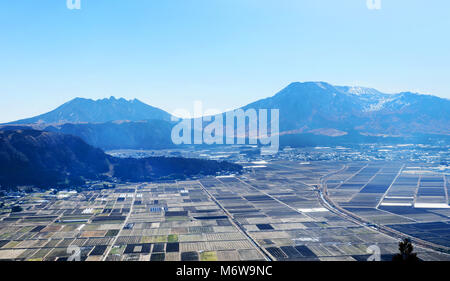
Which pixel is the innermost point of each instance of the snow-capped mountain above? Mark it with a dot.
(309, 106)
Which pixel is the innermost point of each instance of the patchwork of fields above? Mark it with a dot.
(408, 198)
(272, 212)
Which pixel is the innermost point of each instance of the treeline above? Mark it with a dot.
(169, 168)
(52, 160)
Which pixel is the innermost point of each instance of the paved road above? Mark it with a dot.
(106, 254)
(266, 255)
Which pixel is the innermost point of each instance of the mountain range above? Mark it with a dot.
(47, 159)
(80, 110)
(324, 109)
(311, 113)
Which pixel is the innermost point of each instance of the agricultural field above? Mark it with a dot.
(409, 198)
(271, 212)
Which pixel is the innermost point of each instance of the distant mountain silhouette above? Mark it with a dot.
(46, 159)
(322, 109)
(311, 113)
(81, 110)
(151, 134)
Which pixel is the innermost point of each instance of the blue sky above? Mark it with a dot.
(225, 53)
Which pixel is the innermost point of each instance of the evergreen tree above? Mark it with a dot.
(406, 252)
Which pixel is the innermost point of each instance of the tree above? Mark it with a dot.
(406, 252)
(16, 209)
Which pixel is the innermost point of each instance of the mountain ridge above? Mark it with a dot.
(48, 159)
(307, 109)
(82, 110)
(319, 105)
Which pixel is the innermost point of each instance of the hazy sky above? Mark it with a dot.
(225, 53)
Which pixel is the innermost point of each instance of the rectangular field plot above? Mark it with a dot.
(364, 200)
(435, 232)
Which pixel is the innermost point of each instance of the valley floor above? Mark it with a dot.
(272, 212)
